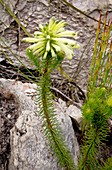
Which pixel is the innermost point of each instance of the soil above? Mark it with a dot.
(8, 117)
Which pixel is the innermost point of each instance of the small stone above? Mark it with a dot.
(8, 116)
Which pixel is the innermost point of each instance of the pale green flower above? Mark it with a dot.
(53, 38)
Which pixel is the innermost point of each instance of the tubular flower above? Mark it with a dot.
(53, 38)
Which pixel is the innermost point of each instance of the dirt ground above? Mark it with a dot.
(8, 117)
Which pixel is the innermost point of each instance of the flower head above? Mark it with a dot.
(53, 38)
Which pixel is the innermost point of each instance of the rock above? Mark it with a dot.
(75, 113)
(30, 149)
(72, 111)
(5, 18)
(90, 5)
(31, 13)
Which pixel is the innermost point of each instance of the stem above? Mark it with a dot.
(89, 149)
(55, 135)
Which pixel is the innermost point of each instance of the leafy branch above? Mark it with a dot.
(98, 107)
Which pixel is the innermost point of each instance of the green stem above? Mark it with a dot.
(89, 149)
(54, 134)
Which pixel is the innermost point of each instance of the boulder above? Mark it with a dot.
(30, 150)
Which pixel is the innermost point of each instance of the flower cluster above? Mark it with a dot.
(53, 38)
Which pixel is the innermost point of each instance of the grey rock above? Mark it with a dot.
(75, 113)
(31, 13)
(90, 5)
(5, 18)
(30, 149)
